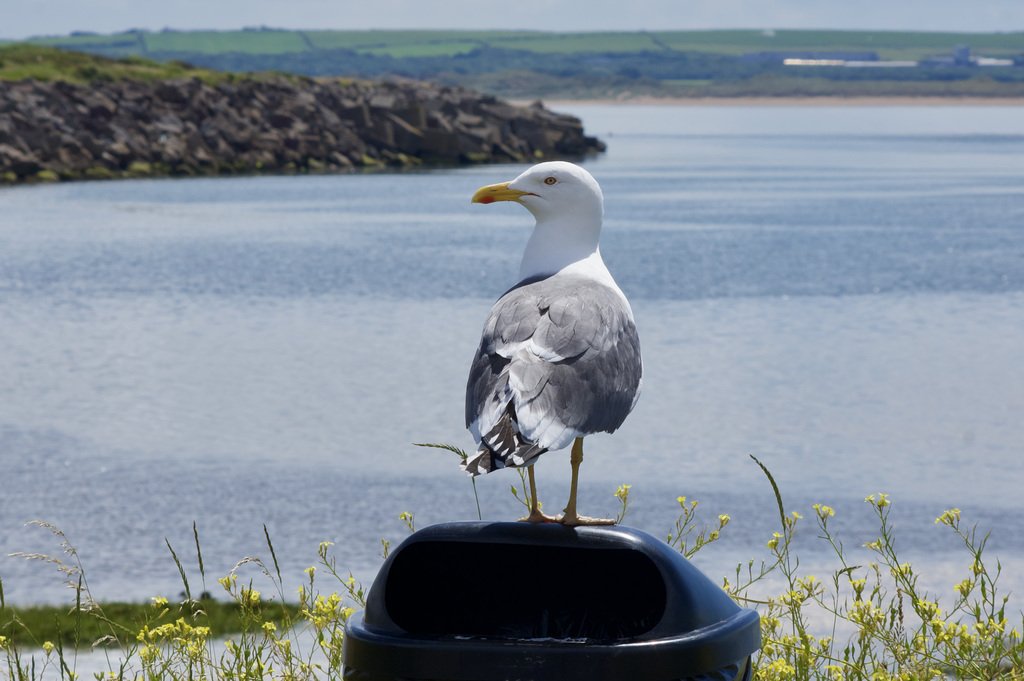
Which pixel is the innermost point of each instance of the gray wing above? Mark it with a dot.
(559, 358)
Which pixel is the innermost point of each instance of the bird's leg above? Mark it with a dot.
(569, 516)
(535, 515)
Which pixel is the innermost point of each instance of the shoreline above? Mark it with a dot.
(823, 101)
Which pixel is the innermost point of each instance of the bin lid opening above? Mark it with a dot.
(517, 591)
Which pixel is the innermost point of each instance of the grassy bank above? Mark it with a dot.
(20, 61)
(76, 626)
(863, 621)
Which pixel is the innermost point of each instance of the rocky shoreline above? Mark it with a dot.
(61, 131)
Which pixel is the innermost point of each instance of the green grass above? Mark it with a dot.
(213, 42)
(33, 626)
(19, 61)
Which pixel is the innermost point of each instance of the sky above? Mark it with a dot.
(27, 18)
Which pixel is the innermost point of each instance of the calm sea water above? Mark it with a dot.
(836, 291)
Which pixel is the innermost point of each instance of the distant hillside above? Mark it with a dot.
(534, 63)
(890, 45)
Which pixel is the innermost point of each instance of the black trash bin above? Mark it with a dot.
(479, 601)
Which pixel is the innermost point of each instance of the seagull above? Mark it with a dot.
(559, 356)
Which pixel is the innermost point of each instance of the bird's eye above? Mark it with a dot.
(550, 180)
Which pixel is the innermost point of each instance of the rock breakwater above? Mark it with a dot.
(61, 131)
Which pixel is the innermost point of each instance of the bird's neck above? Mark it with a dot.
(552, 248)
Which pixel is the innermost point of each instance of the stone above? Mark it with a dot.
(18, 162)
(183, 126)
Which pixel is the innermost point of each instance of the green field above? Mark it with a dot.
(396, 43)
(531, 64)
(213, 42)
(888, 44)
(570, 43)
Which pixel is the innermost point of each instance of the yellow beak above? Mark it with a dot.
(497, 192)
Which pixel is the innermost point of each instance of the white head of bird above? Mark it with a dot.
(569, 207)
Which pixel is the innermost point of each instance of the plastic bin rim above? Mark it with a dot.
(689, 654)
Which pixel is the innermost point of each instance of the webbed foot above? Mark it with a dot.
(538, 517)
(575, 520)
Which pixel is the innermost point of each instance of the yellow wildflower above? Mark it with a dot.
(824, 511)
(881, 502)
(965, 587)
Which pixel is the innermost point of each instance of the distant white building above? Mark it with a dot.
(962, 57)
(991, 61)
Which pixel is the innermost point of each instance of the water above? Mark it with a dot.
(836, 291)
